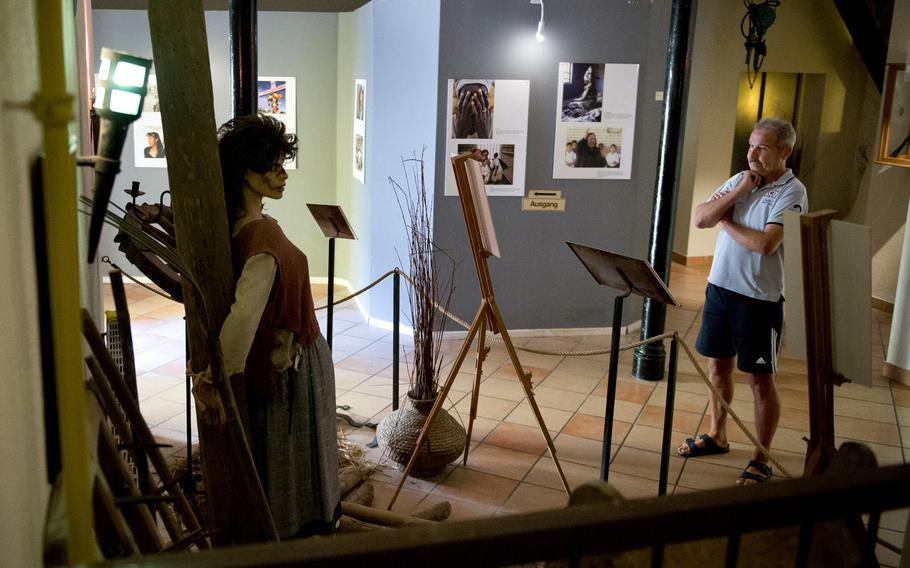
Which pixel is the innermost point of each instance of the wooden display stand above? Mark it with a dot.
(479, 223)
(629, 275)
(334, 225)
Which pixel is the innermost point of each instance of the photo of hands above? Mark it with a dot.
(472, 108)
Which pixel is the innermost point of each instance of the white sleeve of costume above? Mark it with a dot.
(250, 298)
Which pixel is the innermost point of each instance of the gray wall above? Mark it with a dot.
(539, 282)
(301, 45)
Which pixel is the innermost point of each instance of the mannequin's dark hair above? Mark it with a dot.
(254, 142)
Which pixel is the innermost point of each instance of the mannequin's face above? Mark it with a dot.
(269, 184)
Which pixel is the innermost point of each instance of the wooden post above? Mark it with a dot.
(817, 295)
(194, 173)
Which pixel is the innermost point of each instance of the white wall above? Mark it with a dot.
(23, 491)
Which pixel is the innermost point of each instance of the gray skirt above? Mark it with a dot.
(295, 443)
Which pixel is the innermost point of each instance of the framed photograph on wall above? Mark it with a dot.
(148, 134)
(360, 129)
(277, 97)
(489, 117)
(894, 144)
(595, 121)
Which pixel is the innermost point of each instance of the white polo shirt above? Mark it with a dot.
(736, 268)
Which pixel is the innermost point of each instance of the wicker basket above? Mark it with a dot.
(443, 443)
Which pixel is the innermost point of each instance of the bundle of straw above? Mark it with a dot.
(426, 291)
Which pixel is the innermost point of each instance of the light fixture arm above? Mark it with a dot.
(540, 24)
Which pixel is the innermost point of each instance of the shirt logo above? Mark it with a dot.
(797, 207)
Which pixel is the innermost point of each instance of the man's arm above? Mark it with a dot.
(762, 242)
(709, 213)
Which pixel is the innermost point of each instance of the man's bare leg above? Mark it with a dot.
(767, 414)
(720, 373)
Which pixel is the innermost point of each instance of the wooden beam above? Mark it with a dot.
(238, 511)
(817, 297)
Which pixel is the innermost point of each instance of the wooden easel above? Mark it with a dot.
(822, 377)
(483, 245)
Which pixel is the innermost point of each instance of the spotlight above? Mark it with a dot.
(119, 94)
(540, 24)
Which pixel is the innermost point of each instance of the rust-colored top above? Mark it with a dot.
(290, 306)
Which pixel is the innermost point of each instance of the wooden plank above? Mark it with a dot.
(817, 295)
(238, 511)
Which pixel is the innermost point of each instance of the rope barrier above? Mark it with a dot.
(761, 448)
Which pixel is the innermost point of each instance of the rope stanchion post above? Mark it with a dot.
(668, 416)
(396, 335)
(611, 387)
(330, 304)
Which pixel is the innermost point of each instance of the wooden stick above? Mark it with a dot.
(380, 516)
(437, 512)
(134, 415)
(348, 478)
(105, 396)
(104, 499)
(363, 495)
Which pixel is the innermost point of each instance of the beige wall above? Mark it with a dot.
(808, 37)
(23, 492)
(885, 190)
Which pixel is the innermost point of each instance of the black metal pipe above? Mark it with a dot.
(668, 418)
(396, 335)
(243, 56)
(648, 361)
(330, 300)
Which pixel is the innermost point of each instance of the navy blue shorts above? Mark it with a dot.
(738, 326)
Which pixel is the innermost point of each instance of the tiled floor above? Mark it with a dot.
(509, 469)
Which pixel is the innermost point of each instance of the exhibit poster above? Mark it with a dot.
(277, 97)
(489, 117)
(360, 126)
(148, 134)
(595, 121)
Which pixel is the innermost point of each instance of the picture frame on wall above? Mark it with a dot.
(894, 138)
(277, 97)
(149, 145)
(360, 129)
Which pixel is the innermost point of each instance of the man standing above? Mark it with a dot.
(744, 298)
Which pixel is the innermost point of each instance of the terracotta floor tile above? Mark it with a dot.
(508, 389)
(517, 437)
(487, 407)
(866, 410)
(682, 421)
(408, 500)
(567, 381)
(363, 363)
(651, 438)
(578, 450)
(622, 410)
(544, 473)
(634, 487)
(501, 461)
(901, 395)
(591, 427)
(866, 430)
(478, 487)
(702, 475)
(558, 398)
(554, 418)
(530, 498)
(641, 463)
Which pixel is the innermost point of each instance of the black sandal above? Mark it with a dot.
(764, 473)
